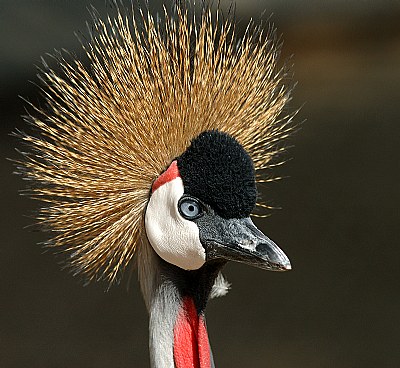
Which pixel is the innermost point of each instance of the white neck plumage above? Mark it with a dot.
(176, 300)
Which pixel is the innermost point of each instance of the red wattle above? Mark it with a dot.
(191, 345)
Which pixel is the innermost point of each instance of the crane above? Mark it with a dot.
(153, 153)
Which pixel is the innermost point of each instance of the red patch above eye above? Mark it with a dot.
(170, 174)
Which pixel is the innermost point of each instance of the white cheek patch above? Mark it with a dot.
(175, 239)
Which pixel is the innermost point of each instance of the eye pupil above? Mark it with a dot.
(191, 208)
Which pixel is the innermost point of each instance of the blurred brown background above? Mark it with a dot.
(340, 305)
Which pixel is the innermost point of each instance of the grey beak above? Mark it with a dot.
(240, 240)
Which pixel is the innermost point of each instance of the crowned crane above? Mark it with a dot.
(155, 151)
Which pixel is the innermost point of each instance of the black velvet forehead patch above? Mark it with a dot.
(217, 170)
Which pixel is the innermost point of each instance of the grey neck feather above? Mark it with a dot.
(163, 286)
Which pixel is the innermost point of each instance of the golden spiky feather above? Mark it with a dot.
(108, 131)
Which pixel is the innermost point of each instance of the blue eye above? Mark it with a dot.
(189, 208)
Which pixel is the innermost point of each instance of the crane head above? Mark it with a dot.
(199, 209)
(154, 103)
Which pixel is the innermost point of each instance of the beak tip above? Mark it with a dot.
(287, 267)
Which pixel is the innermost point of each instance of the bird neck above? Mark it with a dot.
(176, 300)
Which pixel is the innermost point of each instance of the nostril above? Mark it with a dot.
(268, 250)
(263, 248)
